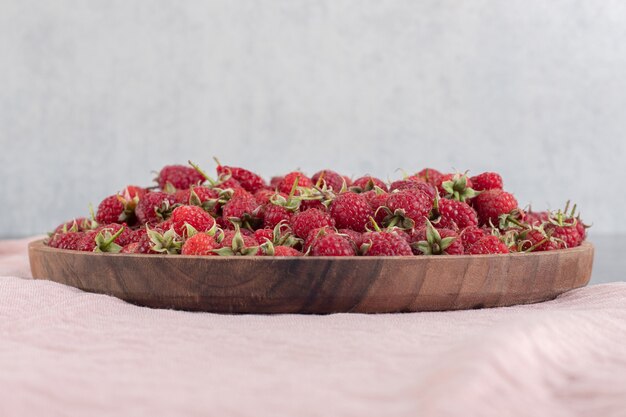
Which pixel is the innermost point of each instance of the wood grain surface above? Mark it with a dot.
(318, 284)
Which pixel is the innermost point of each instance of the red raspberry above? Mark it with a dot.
(200, 244)
(154, 207)
(67, 240)
(404, 184)
(264, 196)
(491, 204)
(377, 201)
(79, 224)
(110, 210)
(460, 187)
(244, 208)
(535, 218)
(304, 222)
(262, 235)
(204, 194)
(354, 237)
(430, 175)
(133, 191)
(421, 245)
(332, 244)
(247, 179)
(407, 208)
(317, 233)
(286, 184)
(274, 214)
(332, 179)
(538, 241)
(192, 215)
(275, 182)
(144, 245)
(132, 247)
(227, 240)
(487, 181)
(471, 235)
(385, 244)
(367, 183)
(350, 211)
(456, 214)
(286, 251)
(88, 242)
(312, 204)
(179, 176)
(488, 245)
(568, 234)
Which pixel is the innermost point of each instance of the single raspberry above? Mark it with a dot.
(67, 240)
(455, 214)
(198, 196)
(275, 182)
(431, 241)
(312, 204)
(248, 179)
(234, 243)
(286, 251)
(280, 209)
(193, 216)
(132, 247)
(568, 234)
(178, 176)
(368, 183)
(350, 211)
(269, 249)
(133, 191)
(154, 207)
(487, 181)
(356, 238)
(376, 200)
(332, 244)
(430, 175)
(274, 214)
(115, 209)
(264, 196)
(332, 179)
(144, 245)
(536, 240)
(288, 181)
(200, 244)
(491, 204)
(488, 245)
(403, 184)
(262, 235)
(243, 210)
(384, 243)
(456, 187)
(471, 235)
(229, 234)
(303, 222)
(407, 209)
(316, 234)
(536, 218)
(156, 241)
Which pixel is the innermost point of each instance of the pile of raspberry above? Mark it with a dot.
(328, 214)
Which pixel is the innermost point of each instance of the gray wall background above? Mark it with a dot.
(95, 95)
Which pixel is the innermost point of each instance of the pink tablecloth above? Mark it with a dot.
(66, 352)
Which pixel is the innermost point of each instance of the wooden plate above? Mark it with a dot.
(318, 285)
